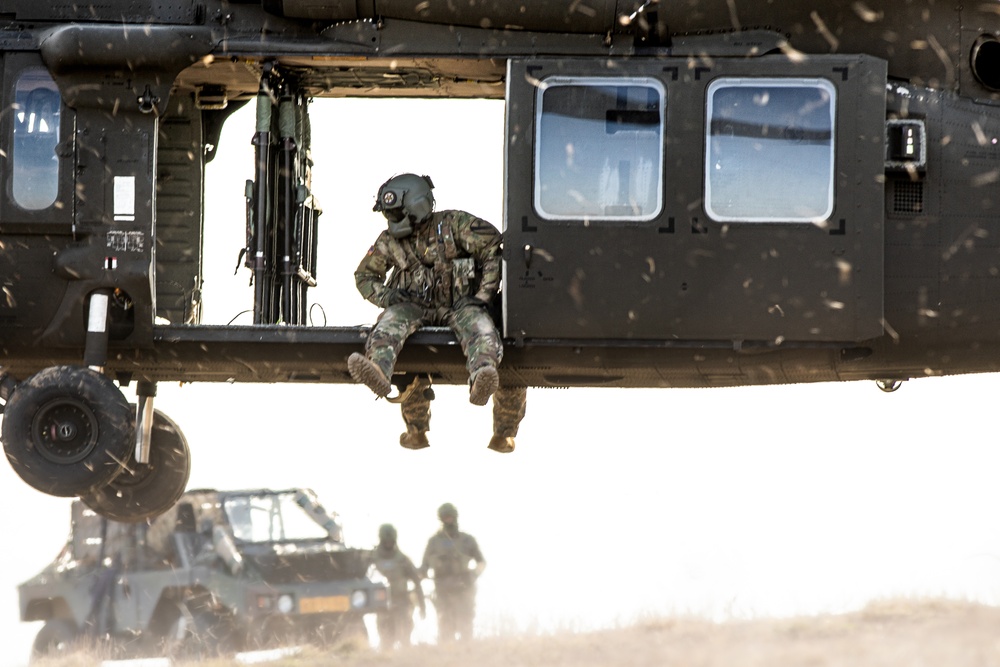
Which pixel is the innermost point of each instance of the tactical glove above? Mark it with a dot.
(394, 296)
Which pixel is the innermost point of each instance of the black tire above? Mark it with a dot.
(355, 631)
(200, 632)
(56, 637)
(346, 629)
(66, 430)
(146, 490)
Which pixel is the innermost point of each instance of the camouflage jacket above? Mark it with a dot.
(452, 255)
(449, 558)
(399, 571)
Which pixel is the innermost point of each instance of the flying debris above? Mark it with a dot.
(715, 194)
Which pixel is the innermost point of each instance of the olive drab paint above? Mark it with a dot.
(720, 197)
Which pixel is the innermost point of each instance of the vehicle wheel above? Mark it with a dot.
(347, 629)
(355, 631)
(201, 632)
(56, 636)
(66, 430)
(145, 490)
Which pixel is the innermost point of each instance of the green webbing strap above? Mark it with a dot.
(263, 110)
(286, 118)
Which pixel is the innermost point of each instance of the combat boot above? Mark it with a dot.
(413, 439)
(499, 443)
(483, 384)
(368, 373)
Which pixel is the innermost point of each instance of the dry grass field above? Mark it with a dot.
(925, 633)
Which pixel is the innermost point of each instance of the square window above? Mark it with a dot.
(770, 150)
(599, 148)
(35, 173)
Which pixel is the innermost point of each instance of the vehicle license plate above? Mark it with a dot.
(320, 605)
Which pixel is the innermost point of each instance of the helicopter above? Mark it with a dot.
(697, 193)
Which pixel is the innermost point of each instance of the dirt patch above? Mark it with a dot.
(886, 634)
(883, 635)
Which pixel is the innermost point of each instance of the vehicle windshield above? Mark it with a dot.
(272, 518)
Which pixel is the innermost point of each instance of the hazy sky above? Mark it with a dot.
(617, 504)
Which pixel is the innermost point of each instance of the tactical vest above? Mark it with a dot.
(450, 559)
(449, 279)
(393, 568)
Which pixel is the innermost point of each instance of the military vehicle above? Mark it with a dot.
(220, 571)
(696, 193)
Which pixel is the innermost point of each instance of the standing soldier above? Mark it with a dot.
(395, 623)
(434, 268)
(453, 560)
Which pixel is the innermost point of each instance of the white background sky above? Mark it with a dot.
(618, 504)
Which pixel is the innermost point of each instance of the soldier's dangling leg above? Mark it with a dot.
(509, 404)
(483, 350)
(415, 407)
(393, 327)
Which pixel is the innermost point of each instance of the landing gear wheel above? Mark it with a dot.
(67, 430)
(145, 490)
(55, 637)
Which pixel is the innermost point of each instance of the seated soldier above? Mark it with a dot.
(432, 268)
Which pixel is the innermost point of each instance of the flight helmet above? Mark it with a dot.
(405, 200)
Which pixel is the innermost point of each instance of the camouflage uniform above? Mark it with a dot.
(508, 408)
(448, 555)
(445, 273)
(433, 275)
(395, 624)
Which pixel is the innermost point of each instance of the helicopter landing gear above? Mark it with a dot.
(67, 430)
(145, 490)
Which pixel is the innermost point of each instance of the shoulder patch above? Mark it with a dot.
(371, 250)
(480, 226)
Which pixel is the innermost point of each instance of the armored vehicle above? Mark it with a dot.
(220, 571)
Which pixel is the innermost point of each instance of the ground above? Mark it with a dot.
(884, 634)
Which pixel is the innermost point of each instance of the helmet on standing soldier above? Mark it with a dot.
(387, 534)
(447, 510)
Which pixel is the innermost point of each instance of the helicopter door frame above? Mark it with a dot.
(609, 232)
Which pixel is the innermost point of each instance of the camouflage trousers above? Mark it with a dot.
(508, 407)
(395, 626)
(456, 612)
(472, 325)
